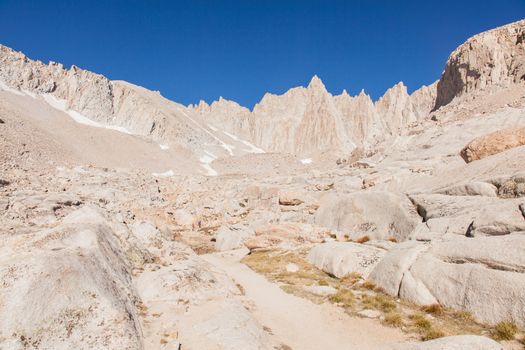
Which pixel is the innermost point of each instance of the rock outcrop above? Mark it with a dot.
(465, 274)
(486, 62)
(493, 143)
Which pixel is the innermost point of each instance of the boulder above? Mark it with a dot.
(146, 233)
(285, 235)
(342, 258)
(493, 143)
(64, 284)
(460, 273)
(390, 271)
(290, 198)
(231, 237)
(377, 214)
(476, 188)
(453, 214)
(512, 188)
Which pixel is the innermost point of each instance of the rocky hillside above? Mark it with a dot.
(128, 221)
(307, 121)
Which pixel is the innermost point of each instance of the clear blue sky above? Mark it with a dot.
(192, 50)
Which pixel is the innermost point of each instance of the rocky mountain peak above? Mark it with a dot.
(316, 85)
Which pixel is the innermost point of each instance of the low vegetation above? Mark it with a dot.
(355, 294)
(344, 297)
(505, 331)
(393, 319)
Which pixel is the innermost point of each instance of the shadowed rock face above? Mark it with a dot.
(490, 60)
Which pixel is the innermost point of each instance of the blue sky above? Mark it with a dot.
(192, 50)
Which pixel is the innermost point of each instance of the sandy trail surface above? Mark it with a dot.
(297, 322)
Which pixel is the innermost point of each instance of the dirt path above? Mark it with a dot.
(297, 322)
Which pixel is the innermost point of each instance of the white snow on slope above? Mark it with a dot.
(224, 145)
(79, 118)
(205, 163)
(251, 148)
(55, 102)
(230, 135)
(60, 105)
(164, 147)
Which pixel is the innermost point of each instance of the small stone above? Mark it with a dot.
(291, 267)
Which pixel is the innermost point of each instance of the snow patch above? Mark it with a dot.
(231, 135)
(306, 161)
(164, 174)
(224, 145)
(205, 160)
(164, 147)
(251, 148)
(79, 118)
(54, 102)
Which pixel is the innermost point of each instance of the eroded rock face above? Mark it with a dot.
(487, 61)
(493, 143)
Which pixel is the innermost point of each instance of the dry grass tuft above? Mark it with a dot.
(420, 322)
(351, 279)
(425, 328)
(368, 285)
(434, 309)
(379, 302)
(432, 333)
(464, 316)
(393, 319)
(505, 331)
(343, 296)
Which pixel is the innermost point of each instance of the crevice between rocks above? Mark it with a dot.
(487, 264)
